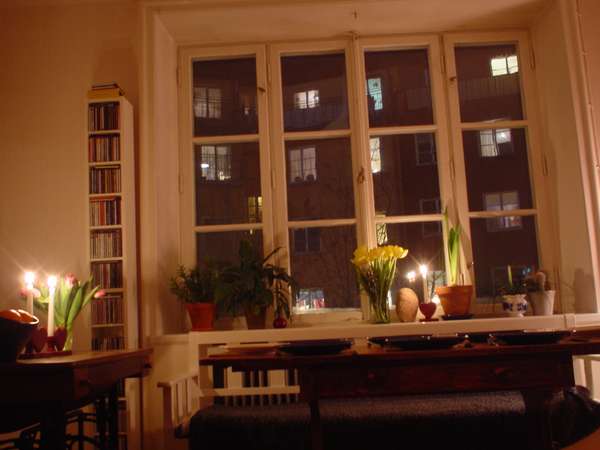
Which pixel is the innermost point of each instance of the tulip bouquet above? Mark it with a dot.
(375, 272)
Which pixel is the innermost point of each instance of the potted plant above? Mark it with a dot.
(253, 285)
(196, 288)
(455, 298)
(540, 294)
(514, 301)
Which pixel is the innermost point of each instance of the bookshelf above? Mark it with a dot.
(112, 238)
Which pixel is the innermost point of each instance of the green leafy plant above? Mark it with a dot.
(70, 297)
(514, 287)
(197, 285)
(453, 249)
(254, 284)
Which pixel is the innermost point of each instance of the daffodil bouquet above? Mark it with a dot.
(375, 272)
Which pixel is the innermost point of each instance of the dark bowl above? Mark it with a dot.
(14, 337)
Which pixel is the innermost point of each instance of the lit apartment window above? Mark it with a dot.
(312, 298)
(306, 99)
(307, 240)
(375, 144)
(303, 164)
(382, 234)
(375, 92)
(207, 102)
(502, 201)
(430, 206)
(504, 65)
(494, 143)
(255, 209)
(215, 163)
(425, 148)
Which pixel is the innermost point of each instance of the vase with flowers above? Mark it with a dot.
(375, 271)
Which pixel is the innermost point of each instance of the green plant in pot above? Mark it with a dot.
(455, 297)
(253, 284)
(196, 288)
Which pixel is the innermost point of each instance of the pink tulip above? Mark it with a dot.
(36, 293)
(23, 292)
(70, 279)
(99, 294)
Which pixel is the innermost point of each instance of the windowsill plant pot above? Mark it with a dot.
(456, 300)
(515, 305)
(202, 315)
(542, 302)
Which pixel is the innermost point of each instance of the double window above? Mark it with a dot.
(307, 154)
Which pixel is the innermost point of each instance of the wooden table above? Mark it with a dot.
(46, 389)
(538, 371)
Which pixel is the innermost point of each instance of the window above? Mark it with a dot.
(375, 144)
(207, 102)
(425, 148)
(303, 164)
(375, 93)
(504, 65)
(430, 206)
(215, 162)
(307, 240)
(255, 209)
(309, 299)
(502, 201)
(306, 99)
(493, 143)
(382, 234)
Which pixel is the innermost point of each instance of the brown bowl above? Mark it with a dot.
(14, 337)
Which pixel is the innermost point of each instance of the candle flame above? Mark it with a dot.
(29, 279)
(423, 269)
(411, 276)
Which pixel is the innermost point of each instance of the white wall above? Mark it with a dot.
(51, 55)
(560, 144)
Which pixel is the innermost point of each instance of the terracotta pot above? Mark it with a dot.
(202, 315)
(455, 299)
(256, 321)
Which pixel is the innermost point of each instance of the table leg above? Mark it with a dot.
(316, 427)
(113, 418)
(539, 425)
(52, 432)
(101, 422)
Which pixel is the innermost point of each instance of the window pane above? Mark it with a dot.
(224, 246)
(502, 171)
(314, 92)
(425, 243)
(225, 97)
(489, 85)
(319, 179)
(227, 183)
(320, 262)
(398, 88)
(407, 179)
(494, 251)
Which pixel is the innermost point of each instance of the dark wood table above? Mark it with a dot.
(43, 390)
(537, 371)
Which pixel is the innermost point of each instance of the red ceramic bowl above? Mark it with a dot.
(14, 337)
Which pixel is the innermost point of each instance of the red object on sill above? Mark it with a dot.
(280, 322)
(202, 315)
(427, 309)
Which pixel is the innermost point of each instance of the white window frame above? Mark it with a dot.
(540, 191)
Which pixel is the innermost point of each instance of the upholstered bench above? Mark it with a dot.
(465, 421)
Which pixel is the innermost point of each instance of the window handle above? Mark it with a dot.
(262, 89)
(360, 179)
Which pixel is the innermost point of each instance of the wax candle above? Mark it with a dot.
(424, 270)
(29, 279)
(51, 291)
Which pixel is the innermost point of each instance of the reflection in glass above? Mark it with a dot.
(398, 88)
(227, 183)
(314, 92)
(498, 176)
(489, 85)
(494, 251)
(224, 246)
(424, 248)
(319, 179)
(224, 97)
(405, 174)
(320, 262)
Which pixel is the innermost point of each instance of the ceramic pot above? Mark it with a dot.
(542, 302)
(202, 315)
(407, 305)
(514, 305)
(456, 300)
(256, 321)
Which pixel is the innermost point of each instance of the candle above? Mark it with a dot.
(51, 290)
(510, 281)
(411, 276)
(424, 270)
(29, 279)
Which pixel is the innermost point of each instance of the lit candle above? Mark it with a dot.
(411, 276)
(423, 271)
(51, 291)
(29, 279)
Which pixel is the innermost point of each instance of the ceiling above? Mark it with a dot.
(199, 21)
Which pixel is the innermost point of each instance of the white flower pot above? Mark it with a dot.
(542, 302)
(514, 305)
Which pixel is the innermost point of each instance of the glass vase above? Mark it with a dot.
(380, 310)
